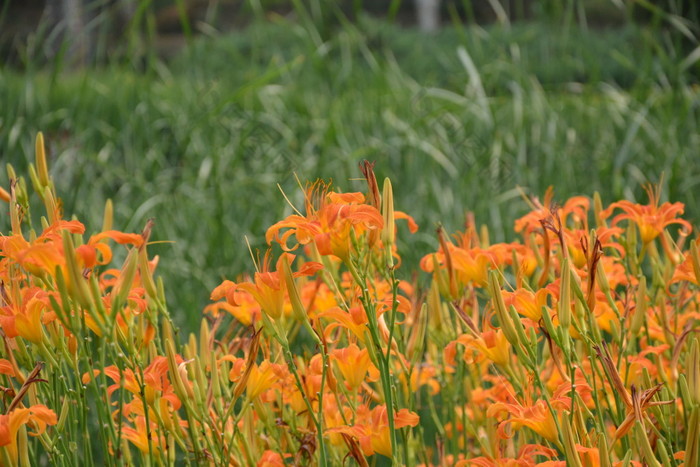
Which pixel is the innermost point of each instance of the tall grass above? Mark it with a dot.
(460, 120)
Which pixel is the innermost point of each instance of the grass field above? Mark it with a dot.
(572, 341)
(464, 120)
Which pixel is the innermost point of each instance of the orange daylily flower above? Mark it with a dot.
(139, 436)
(268, 289)
(372, 428)
(6, 367)
(155, 381)
(353, 364)
(239, 303)
(528, 303)
(330, 219)
(575, 208)
(271, 459)
(491, 344)
(354, 320)
(651, 219)
(261, 379)
(536, 415)
(527, 456)
(39, 415)
(26, 312)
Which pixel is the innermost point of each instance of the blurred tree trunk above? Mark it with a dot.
(72, 21)
(428, 13)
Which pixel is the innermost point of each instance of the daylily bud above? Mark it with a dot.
(204, 338)
(695, 260)
(175, 375)
(484, 236)
(499, 305)
(569, 444)
(548, 325)
(416, 339)
(108, 216)
(42, 169)
(65, 411)
(15, 217)
(602, 279)
(597, 210)
(126, 278)
(52, 210)
(693, 371)
(692, 442)
(631, 237)
(435, 306)
(23, 446)
(215, 378)
(444, 245)
(298, 307)
(663, 454)
(603, 450)
(388, 232)
(684, 392)
(77, 284)
(146, 276)
(640, 311)
(564, 308)
(645, 446)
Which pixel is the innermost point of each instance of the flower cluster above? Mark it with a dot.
(576, 345)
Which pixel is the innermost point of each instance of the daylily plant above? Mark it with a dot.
(576, 344)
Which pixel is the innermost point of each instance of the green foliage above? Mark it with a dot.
(459, 121)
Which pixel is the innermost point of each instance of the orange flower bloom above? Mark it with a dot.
(155, 380)
(330, 220)
(267, 289)
(353, 364)
(261, 379)
(526, 302)
(491, 344)
(527, 456)
(139, 436)
(354, 320)
(271, 459)
(651, 219)
(537, 416)
(39, 415)
(372, 428)
(575, 208)
(26, 311)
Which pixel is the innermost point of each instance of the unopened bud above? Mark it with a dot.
(388, 232)
(597, 210)
(126, 279)
(501, 312)
(569, 442)
(692, 441)
(693, 371)
(108, 216)
(640, 311)
(76, 282)
(42, 168)
(695, 260)
(298, 307)
(565, 296)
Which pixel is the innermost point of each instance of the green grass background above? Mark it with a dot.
(458, 120)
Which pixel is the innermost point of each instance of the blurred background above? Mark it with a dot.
(194, 111)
